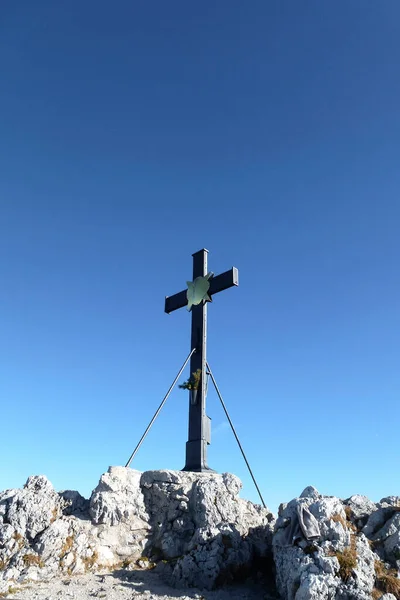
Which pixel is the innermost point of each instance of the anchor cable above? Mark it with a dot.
(235, 434)
(159, 408)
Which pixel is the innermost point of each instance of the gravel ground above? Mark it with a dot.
(124, 585)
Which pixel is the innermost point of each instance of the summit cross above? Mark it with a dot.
(200, 291)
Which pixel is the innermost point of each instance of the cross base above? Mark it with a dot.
(199, 470)
(196, 457)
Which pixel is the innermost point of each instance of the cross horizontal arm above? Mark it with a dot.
(217, 284)
(224, 281)
(174, 302)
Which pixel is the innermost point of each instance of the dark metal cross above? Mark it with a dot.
(199, 423)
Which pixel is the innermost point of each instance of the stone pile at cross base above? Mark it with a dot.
(195, 531)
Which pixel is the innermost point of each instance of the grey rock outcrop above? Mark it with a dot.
(43, 533)
(74, 503)
(360, 508)
(315, 570)
(118, 498)
(383, 529)
(30, 510)
(195, 530)
(201, 528)
(310, 492)
(194, 525)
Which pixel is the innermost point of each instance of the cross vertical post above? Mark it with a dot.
(199, 423)
(199, 427)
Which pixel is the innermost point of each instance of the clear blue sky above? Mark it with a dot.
(132, 135)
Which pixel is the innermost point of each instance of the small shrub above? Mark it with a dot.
(69, 542)
(145, 563)
(11, 590)
(89, 561)
(54, 515)
(339, 519)
(349, 512)
(193, 382)
(32, 560)
(347, 560)
(347, 524)
(19, 539)
(3, 564)
(386, 580)
(126, 563)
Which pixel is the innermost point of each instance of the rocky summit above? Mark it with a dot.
(193, 531)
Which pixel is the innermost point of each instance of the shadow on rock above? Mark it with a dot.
(147, 581)
(202, 534)
(140, 581)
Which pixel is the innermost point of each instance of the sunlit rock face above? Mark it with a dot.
(196, 532)
(192, 526)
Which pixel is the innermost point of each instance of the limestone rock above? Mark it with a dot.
(377, 520)
(199, 524)
(198, 531)
(4, 585)
(361, 508)
(390, 501)
(118, 498)
(30, 510)
(5, 498)
(387, 537)
(312, 570)
(315, 587)
(74, 503)
(55, 541)
(196, 522)
(310, 492)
